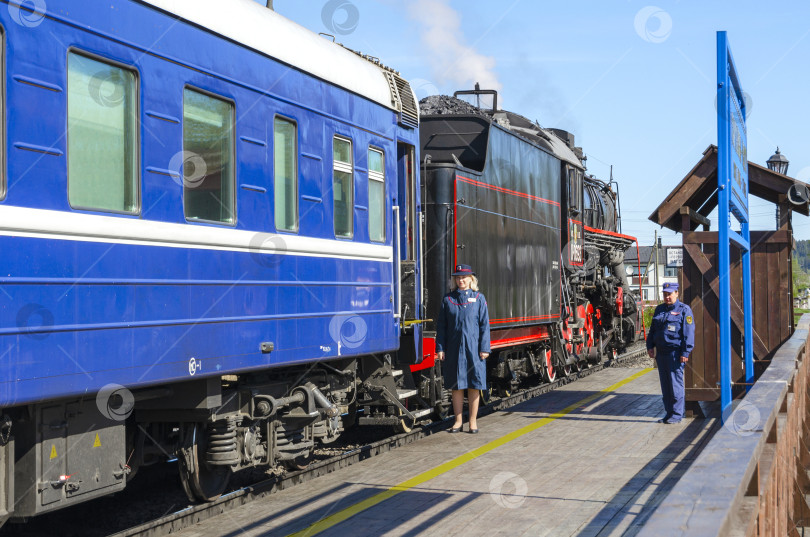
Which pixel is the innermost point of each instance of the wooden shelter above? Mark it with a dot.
(686, 209)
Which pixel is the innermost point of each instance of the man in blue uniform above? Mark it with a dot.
(670, 341)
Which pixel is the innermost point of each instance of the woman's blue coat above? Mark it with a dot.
(461, 333)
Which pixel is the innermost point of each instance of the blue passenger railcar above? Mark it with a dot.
(210, 242)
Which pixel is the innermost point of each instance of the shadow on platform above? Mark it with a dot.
(610, 404)
(624, 504)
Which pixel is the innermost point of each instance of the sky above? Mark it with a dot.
(634, 82)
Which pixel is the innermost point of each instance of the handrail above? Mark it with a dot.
(738, 483)
(397, 266)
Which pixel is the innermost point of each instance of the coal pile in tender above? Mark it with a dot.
(445, 105)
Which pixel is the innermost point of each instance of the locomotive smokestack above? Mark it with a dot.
(270, 5)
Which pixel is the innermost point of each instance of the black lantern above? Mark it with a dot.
(778, 163)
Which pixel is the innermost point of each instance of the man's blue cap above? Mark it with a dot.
(463, 270)
(670, 287)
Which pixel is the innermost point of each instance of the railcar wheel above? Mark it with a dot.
(549, 372)
(201, 481)
(350, 418)
(301, 462)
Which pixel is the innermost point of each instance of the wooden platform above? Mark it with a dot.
(587, 459)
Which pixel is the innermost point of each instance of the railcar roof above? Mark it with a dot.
(264, 30)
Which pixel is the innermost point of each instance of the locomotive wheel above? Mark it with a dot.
(442, 410)
(201, 481)
(565, 370)
(609, 354)
(566, 333)
(590, 340)
(549, 373)
(580, 365)
(499, 389)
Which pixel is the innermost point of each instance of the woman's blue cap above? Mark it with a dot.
(670, 287)
(463, 270)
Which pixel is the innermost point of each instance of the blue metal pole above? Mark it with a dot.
(748, 308)
(723, 186)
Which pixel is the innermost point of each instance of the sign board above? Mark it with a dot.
(732, 198)
(732, 134)
(739, 151)
(674, 257)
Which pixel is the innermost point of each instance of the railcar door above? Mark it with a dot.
(407, 254)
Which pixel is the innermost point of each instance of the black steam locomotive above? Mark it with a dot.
(513, 200)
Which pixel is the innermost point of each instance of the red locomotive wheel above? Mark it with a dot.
(566, 333)
(589, 325)
(566, 370)
(549, 372)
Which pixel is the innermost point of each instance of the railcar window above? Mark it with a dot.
(102, 136)
(208, 161)
(286, 174)
(376, 195)
(343, 187)
(573, 191)
(587, 208)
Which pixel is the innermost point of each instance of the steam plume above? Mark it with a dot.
(453, 62)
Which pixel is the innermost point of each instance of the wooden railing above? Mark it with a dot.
(751, 478)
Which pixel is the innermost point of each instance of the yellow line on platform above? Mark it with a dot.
(359, 507)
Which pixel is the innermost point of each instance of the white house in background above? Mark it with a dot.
(670, 260)
(802, 299)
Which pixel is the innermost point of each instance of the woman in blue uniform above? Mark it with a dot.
(462, 343)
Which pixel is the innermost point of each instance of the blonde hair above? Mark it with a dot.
(473, 284)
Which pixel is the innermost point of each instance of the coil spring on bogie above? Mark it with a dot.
(286, 437)
(292, 443)
(222, 445)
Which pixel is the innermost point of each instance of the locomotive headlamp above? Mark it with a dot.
(778, 163)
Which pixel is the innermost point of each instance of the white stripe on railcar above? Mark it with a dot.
(59, 225)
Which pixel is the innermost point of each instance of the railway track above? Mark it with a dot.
(193, 514)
